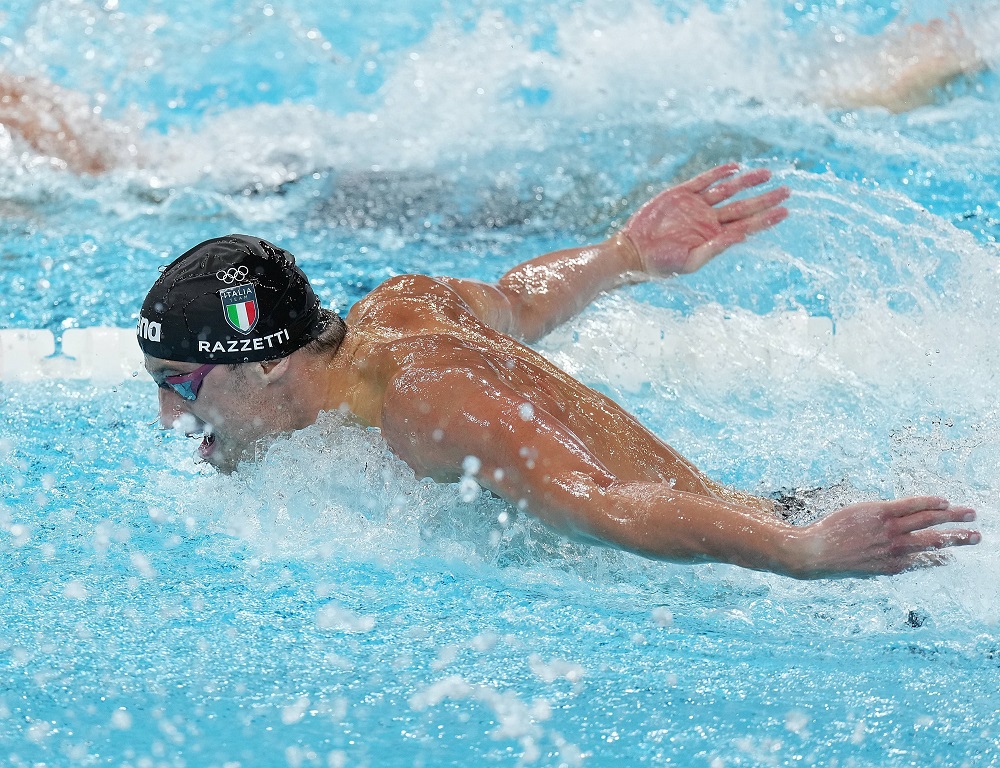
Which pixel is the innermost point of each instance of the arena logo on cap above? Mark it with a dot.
(147, 329)
(239, 304)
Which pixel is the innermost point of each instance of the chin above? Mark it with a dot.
(226, 468)
(228, 463)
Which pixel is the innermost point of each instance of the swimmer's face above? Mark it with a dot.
(234, 411)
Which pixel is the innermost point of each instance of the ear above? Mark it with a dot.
(274, 370)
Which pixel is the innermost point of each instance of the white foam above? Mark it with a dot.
(456, 95)
(771, 379)
(456, 92)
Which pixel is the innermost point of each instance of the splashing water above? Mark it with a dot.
(325, 606)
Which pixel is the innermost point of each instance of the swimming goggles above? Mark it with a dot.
(187, 384)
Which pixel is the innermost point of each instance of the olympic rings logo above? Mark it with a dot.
(232, 274)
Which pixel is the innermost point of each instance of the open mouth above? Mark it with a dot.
(207, 445)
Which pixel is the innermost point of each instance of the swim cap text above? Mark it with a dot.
(245, 345)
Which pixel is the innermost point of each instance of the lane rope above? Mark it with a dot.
(100, 354)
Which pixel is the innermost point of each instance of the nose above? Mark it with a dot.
(172, 406)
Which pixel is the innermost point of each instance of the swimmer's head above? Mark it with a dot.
(234, 299)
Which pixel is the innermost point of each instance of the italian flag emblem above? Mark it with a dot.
(239, 304)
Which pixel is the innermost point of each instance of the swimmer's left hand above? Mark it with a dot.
(881, 537)
(685, 226)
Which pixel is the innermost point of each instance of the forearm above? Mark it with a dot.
(540, 294)
(865, 539)
(676, 232)
(549, 290)
(51, 122)
(908, 64)
(655, 521)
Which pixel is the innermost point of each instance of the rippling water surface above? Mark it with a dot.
(324, 607)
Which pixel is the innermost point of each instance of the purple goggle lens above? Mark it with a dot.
(187, 384)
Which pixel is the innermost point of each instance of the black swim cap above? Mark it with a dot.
(234, 299)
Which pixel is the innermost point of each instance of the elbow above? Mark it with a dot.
(523, 318)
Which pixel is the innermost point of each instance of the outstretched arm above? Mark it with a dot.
(902, 73)
(46, 118)
(532, 459)
(676, 232)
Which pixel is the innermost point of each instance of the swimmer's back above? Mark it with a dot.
(415, 325)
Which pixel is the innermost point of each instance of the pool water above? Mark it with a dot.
(324, 607)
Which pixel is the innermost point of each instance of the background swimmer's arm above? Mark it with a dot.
(42, 115)
(676, 232)
(525, 455)
(907, 66)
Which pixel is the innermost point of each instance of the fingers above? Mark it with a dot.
(735, 232)
(755, 223)
(911, 504)
(925, 550)
(765, 219)
(742, 209)
(930, 517)
(930, 540)
(707, 251)
(733, 186)
(704, 180)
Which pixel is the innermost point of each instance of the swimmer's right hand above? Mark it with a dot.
(882, 537)
(685, 226)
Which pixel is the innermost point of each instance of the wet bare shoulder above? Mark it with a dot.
(411, 304)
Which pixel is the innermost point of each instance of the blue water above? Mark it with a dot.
(324, 607)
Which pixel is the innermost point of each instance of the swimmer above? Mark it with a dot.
(241, 350)
(55, 122)
(900, 72)
(907, 65)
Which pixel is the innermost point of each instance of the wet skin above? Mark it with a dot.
(436, 365)
(230, 433)
(47, 119)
